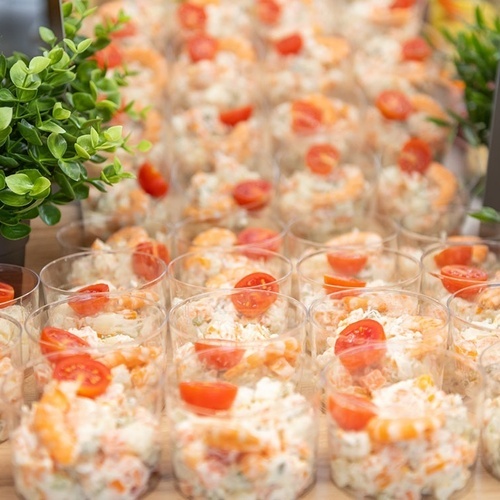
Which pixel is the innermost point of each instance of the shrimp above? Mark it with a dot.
(134, 357)
(331, 111)
(489, 299)
(391, 18)
(479, 252)
(351, 189)
(392, 430)
(214, 237)
(51, 425)
(229, 438)
(128, 237)
(230, 276)
(338, 47)
(356, 238)
(445, 181)
(238, 46)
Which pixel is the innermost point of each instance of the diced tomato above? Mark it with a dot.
(253, 194)
(144, 263)
(402, 4)
(93, 376)
(351, 412)
(340, 283)
(358, 334)
(459, 254)
(234, 116)
(291, 44)
(54, 341)
(415, 49)
(259, 237)
(415, 156)
(268, 12)
(109, 57)
(191, 16)
(306, 117)
(202, 47)
(257, 299)
(218, 357)
(88, 306)
(458, 277)
(152, 181)
(322, 159)
(394, 105)
(347, 262)
(6, 293)
(208, 395)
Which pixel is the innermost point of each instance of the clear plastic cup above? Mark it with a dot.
(402, 420)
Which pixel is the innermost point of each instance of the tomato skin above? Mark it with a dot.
(109, 57)
(402, 4)
(254, 301)
(306, 118)
(152, 181)
(88, 306)
(259, 237)
(7, 294)
(252, 194)
(268, 12)
(54, 341)
(340, 283)
(94, 377)
(394, 105)
(415, 49)
(460, 254)
(208, 395)
(202, 47)
(415, 156)
(322, 159)
(234, 116)
(351, 412)
(347, 262)
(289, 45)
(218, 357)
(457, 277)
(143, 263)
(357, 334)
(191, 16)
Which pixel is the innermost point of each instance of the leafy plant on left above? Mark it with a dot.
(53, 114)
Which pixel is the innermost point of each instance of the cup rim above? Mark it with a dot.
(25, 271)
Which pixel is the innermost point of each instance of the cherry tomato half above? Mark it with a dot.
(415, 49)
(394, 105)
(56, 340)
(218, 357)
(291, 44)
(415, 156)
(151, 180)
(340, 283)
(233, 116)
(208, 395)
(357, 334)
(460, 254)
(109, 57)
(321, 159)
(88, 306)
(93, 376)
(202, 47)
(191, 16)
(268, 11)
(6, 293)
(402, 4)
(259, 237)
(306, 118)
(351, 412)
(347, 262)
(143, 262)
(253, 194)
(254, 302)
(458, 277)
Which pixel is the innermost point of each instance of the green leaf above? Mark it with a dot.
(113, 134)
(59, 113)
(61, 78)
(41, 188)
(2, 180)
(83, 45)
(3, 66)
(144, 146)
(63, 62)
(16, 232)
(71, 169)
(19, 183)
(24, 95)
(487, 214)
(55, 54)
(32, 173)
(7, 161)
(85, 141)
(6, 96)
(14, 200)
(38, 64)
(29, 132)
(18, 73)
(57, 145)
(49, 214)
(47, 36)
(50, 126)
(71, 45)
(83, 102)
(81, 192)
(67, 8)
(5, 117)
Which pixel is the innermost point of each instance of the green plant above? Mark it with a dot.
(53, 114)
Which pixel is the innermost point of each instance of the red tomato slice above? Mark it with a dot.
(415, 156)
(306, 118)
(109, 57)
(415, 49)
(218, 357)
(259, 237)
(394, 105)
(202, 47)
(460, 254)
(458, 277)
(321, 159)
(93, 376)
(268, 12)
(208, 395)
(253, 302)
(233, 116)
(357, 334)
(402, 4)
(288, 45)
(351, 412)
(143, 262)
(347, 262)
(253, 194)
(191, 17)
(56, 340)
(6, 293)
(88, 306)
(151, 180)
(340, 283)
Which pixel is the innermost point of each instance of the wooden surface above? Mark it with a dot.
(43, 248)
